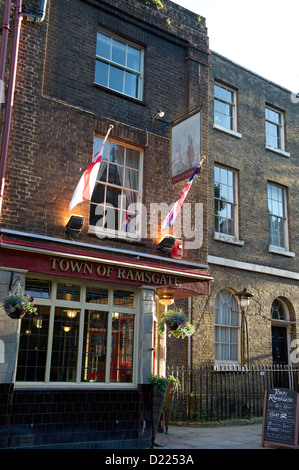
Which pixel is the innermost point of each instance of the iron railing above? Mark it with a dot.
(222, 393)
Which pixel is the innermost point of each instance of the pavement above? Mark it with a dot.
(236, 435)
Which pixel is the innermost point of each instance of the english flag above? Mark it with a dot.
(170, 218)
(84, 190)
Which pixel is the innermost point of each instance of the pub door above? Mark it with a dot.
(280, 355)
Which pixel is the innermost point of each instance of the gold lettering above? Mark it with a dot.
(163, 279)
(87, 267)
(155, 278)
(147, 277)
(75, 266)
(130, 275)
(101, 270)
(139, 276)
(121, 273)
(109, 271)
(53, 262)
(64, 265)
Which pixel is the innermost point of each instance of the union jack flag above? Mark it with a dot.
(170, 218)
(84, 190)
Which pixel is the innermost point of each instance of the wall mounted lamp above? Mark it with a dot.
(166, 300)
(158, 116)
(244, 298)
(167, 243)
(74, 224)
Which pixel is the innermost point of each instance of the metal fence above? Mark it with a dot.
(221, 393)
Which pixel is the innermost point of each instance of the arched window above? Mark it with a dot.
(227, 327)
(279, 310)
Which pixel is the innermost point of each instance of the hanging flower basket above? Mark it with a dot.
(17, 305)
(176, 323)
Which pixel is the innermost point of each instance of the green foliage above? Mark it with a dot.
(176, 323)
(156, 3)
(160, 383)
(16, 301)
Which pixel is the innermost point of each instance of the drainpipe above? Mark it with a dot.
(3, 52)
(19, 16)
(40, 16)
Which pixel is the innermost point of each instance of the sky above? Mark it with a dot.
(260, 35)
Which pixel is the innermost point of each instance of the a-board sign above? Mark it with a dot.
(280, 423)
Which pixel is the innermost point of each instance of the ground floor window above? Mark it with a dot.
(227, 328)
(82, 334)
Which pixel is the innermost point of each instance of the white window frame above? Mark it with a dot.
(231, 238)
(279, 249)
(103, 232)
(222, 325)
(280, 126)
(82, 305)
(110, 63)
(232, 105)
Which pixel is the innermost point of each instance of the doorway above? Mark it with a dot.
(279, 345)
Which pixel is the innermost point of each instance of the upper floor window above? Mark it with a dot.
(225, 107)
(227, 328)
(278, 222)
(225, 197)
(114, 207)
(119, 65)
(274, 128)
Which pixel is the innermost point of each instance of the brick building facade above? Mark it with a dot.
(77, 374)
(253, 220)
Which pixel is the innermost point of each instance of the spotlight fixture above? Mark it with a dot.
(167, 243)
(74, 224)
(159, 114)
(166, 300)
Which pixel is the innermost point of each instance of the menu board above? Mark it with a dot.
(280, 424)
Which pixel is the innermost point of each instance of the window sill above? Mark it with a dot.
(280, 152)
(280, 251)
(227, 366)
(227, 131)
(115, 235)
(118, 93)
(220, 237)
(74, 385)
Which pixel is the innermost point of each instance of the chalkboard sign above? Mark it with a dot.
(280, 424)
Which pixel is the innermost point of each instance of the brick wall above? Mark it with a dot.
(58, 110)
(255, 165)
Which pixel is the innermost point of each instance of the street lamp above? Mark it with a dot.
(244, 300)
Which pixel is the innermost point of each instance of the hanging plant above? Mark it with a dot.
(18, 304)
(176, 323)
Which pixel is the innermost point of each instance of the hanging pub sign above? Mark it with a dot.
(280, 420)
(186, 147)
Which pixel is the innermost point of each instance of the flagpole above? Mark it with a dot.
(170, 218)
